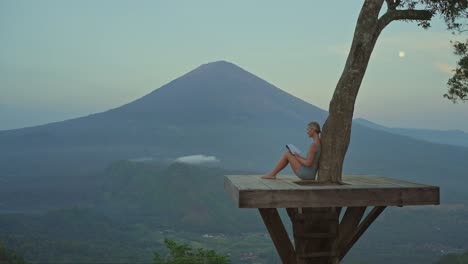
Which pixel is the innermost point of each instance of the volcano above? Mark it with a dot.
(220, 110)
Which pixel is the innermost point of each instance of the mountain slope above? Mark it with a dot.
(194, 113)
(450, 137)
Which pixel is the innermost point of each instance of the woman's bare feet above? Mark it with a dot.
(269, 176)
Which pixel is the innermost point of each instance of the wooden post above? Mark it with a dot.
(348, 224)
(315, 232)
(278, 234)
(370, 218)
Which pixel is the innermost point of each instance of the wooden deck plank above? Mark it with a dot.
(371, 181)
(279, 184)
(250, 191)
(248, 182)
(402, 183)
(231, 189)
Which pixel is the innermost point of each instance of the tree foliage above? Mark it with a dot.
(458, 84)
(10, 257)
(184, 254)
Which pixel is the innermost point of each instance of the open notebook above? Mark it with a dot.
(293, 149)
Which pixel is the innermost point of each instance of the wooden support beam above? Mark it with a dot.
(338, 210)
(319, 235)
(327, 254)
(292, 212)
(278, 234)
(315, 232)
(370, 218)
(348, 224)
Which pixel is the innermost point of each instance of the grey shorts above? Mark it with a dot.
(307, 173)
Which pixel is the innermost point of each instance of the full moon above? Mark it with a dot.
(402, 54)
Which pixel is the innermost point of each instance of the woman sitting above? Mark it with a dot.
(304, 168)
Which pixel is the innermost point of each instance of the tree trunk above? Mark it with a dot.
(337, 127)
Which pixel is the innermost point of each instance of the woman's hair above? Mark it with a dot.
(315, 126)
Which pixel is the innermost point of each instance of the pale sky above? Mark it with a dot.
(63, 59)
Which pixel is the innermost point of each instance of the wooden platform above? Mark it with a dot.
(251, 191)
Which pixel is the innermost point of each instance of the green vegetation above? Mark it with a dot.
(454, 259)
(185, 254)
(178, 196)
(458, 84)
(141, 204)
(9, 256)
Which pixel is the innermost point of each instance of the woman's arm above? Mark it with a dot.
(310, 159)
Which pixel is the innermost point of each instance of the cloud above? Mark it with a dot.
(444, 68)
(197, 159)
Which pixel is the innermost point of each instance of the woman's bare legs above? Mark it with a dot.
(286, 159)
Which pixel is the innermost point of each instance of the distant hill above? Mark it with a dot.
(180, 196)
(454, 259)
(139, 204)
(218, 109)
(450, 137)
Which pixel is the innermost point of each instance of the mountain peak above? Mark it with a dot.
(220, 63)
(223, 92)
(217, 67)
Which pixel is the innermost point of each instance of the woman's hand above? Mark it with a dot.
(297, 156)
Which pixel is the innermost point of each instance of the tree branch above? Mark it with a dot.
(392, 4)
(392, 15)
